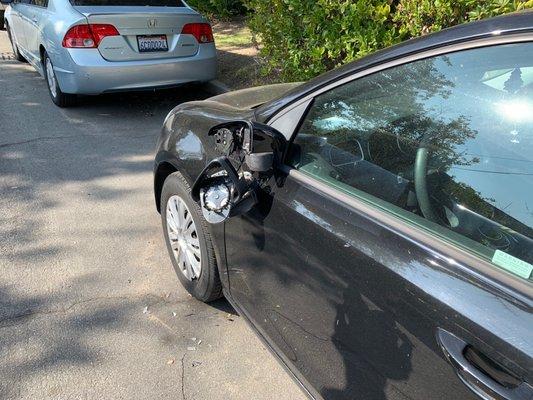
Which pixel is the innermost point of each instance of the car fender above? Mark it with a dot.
(184, 146)
(60, 18)
(184, 142)
(8, 17)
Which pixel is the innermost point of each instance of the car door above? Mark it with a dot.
(19, 8)
(34, 15)
(394, 259)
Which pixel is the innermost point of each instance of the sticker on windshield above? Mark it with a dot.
(512, 264)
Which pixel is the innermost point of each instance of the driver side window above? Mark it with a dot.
(444, 142)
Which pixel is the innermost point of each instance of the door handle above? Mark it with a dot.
(475, 379)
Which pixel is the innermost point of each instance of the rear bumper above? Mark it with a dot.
(87, 72)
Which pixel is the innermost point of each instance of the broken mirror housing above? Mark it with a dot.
(261, 145)
(260, 162)
(227, 185)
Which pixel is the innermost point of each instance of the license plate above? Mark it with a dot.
(152, 43)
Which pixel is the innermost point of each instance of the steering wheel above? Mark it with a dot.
(421, 184)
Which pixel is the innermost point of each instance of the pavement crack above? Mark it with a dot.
(6, 322)
(37, 139)
(45, 138)
(183, 376)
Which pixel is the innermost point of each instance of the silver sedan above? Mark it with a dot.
(99, 46)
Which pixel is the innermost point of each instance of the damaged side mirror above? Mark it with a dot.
(228, 185)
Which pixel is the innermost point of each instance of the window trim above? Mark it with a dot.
(467, 261)
(285, 112)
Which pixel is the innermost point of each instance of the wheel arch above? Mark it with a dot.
(166, 165)
(42, 50)
(7, 16)
(163, 170)
(7, 25)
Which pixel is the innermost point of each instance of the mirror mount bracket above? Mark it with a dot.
(221, 192)
(256, 149)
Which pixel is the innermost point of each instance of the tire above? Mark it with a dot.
(14, 46)
(59, 98)
(207, 286)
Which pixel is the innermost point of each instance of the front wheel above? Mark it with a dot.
(59, 98)
(188, 240)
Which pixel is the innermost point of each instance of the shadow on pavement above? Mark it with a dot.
(81, 253)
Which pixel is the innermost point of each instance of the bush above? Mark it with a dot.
(303, 38)
(218, 8)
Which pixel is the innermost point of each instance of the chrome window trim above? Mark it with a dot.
(515, 288)
(473, 44)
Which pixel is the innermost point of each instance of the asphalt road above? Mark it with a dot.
(90, 307)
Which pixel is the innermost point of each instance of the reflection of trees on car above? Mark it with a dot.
(384, 119)
(396, 124)
(389, 113)
(368, 104)
(396, 144)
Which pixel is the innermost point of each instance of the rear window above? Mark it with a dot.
(153, 3)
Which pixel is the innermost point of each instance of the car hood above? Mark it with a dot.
(253, 97)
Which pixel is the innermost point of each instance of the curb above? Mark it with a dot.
(215, 87)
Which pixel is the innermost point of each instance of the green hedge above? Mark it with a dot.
(218, 8)
(303, 38)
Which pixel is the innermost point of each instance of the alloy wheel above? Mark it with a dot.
(183, 238)
(51, 78)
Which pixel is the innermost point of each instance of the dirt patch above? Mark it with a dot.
(239, 62)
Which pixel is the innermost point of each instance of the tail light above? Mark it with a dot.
(201, 31)
(88, 36)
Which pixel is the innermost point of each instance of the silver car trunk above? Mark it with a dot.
(134, 23)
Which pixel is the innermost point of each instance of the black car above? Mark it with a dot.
(374, 225)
